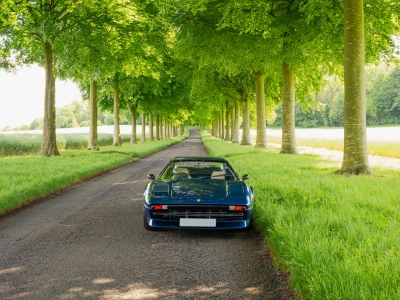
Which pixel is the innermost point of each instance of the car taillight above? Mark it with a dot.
(160, 207)
(237, 208)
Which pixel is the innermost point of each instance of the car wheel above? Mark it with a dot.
(146, 225)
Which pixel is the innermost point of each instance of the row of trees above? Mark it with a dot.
(205, 61)
(119, 52)
(383, 107)
(287, 48)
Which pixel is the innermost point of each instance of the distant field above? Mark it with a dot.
(29, 142)
(382, 141)
(385, 134)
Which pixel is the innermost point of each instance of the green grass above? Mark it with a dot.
(28, 177)
(380, 148)
(31, 143)
(337, 236)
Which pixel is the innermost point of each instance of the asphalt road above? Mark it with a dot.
(88, 242)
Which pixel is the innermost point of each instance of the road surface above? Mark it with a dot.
(88, 242)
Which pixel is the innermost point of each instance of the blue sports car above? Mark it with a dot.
(198, 192)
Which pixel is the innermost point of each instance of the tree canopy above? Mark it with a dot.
(201, 60)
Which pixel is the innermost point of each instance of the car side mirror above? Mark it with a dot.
(245, 177)
(151, 176)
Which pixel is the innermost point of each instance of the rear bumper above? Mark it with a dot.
(220, 224)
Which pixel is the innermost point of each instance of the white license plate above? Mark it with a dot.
(197, 222)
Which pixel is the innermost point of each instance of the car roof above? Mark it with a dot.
(198, 158)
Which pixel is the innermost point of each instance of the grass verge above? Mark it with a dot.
(337, 236)
(31, 143)
(29, 177)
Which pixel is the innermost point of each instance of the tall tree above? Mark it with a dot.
(288, 100)
(382, 21)
(42, 32)
(49, 146)
(355, 158)
(261, 137)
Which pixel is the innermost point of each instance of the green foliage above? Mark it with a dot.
(37, 124)
(72, 115)
(19, 128)
(385, 96)
(75, 115)
(337, 236)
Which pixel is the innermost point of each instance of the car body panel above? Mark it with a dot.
(203, 196)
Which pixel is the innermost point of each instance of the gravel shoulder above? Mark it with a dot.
(88, 242)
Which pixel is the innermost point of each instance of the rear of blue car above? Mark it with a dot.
(201, 193)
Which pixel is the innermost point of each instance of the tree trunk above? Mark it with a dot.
(151, 127)
(143, 139)
(93, 142)
(288, 123)
(158, 127)
(182, 129)
(218, 120)
(355, 156)
(133, 110)
(222, 125)
(236, 123)
(246, 134)
(261, 138)
(228, 123)
(117, 133)
(49, 142)
(232, 122)
(161, 128)
(165, 129)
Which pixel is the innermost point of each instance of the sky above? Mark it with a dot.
(22, 95)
